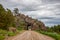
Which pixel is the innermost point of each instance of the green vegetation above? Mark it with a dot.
(2, 37)
(16, 10)
(53, 31)
(6, 18)
(51, 34)
(8, 23)
(55, 28)
(2, 34)
(11, 33)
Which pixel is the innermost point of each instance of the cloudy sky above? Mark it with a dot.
(47, 11)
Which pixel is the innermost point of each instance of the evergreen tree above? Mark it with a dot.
(6, 18)
(16, 11)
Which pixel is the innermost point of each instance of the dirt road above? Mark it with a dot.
(31, 35)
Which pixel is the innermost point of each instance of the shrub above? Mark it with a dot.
(2, 34)
(11, 33)
(2, 37)
(54, 35)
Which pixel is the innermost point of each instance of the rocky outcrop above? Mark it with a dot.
(30, 23)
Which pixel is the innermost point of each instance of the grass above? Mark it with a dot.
(51, 34)
(11, 33)
(4, 33)
(2, 37)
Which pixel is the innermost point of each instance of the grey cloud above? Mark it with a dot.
(53, 22)
(58, 13)
(41, 6)
(50, 1)
(46, 17)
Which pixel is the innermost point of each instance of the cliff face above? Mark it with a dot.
(30, 23)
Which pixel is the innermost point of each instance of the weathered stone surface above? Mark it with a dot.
(29, 22)
(12, 29)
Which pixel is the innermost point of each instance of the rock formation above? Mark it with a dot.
(33, 24)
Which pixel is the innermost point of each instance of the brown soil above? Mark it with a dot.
(30, 35)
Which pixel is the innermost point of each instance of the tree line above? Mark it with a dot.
(55, 28)
(6, 18)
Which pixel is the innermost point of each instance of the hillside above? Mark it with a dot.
(29, 22)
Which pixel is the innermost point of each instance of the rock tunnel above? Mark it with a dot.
(29, 26)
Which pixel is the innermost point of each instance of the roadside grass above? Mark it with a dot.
(2, 34)
(2, 37)
(5, 33)
(51, 34)
(11, 33)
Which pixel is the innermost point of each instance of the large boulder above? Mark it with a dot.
(12, 29)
